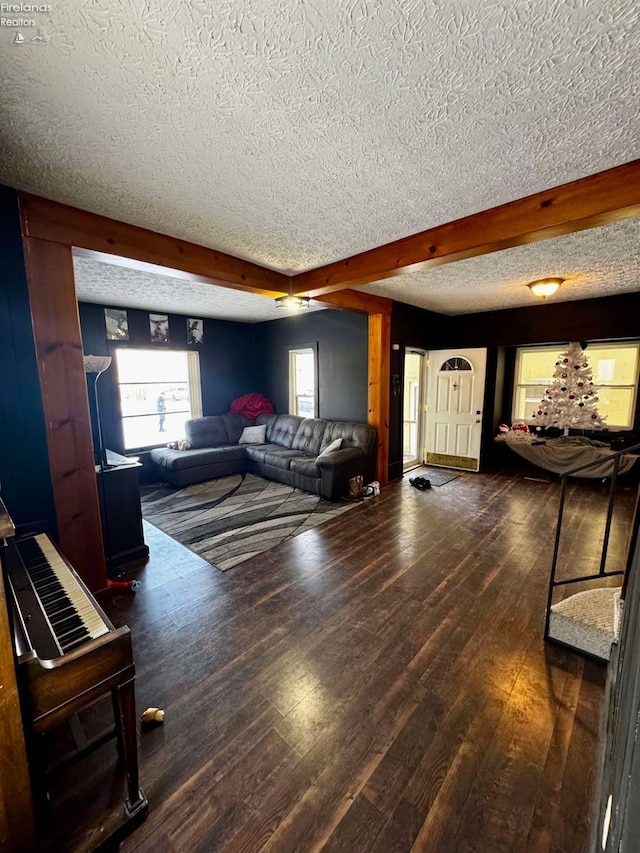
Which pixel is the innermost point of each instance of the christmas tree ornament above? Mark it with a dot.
(568, 404)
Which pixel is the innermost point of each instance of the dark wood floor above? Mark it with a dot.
(377, 684)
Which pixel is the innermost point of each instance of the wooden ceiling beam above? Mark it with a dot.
(59, 223)
(586, 203)
(356, 300)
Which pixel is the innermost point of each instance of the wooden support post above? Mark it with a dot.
(378, 396)
(56, 328)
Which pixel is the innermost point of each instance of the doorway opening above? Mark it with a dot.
(414, 394)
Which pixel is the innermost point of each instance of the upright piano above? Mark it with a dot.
(66, 654)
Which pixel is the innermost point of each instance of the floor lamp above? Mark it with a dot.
(96, 365)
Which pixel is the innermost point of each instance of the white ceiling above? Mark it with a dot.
(298, 132)
(600, 262)
(122, 287)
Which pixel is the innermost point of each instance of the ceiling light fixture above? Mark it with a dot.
(545, 286)
(292, 303)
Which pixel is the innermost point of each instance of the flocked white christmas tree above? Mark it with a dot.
(570, 400)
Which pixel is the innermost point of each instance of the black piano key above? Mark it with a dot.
(66, 625)
(73, 642)
(69, 647)
(51, 602)
(73, 634)
(61, 613)
(52, 593)
(42, 575)
(43, 571)
(39, 571)
(58, 606)
(48, 587)
(64, 609)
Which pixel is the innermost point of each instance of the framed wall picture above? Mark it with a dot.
(195, 330)
(159, 328)
(117, 324)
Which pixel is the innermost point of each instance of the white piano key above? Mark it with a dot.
(91, 620)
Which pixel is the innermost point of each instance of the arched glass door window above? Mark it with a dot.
(456, 362)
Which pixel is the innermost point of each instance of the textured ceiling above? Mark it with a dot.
(297, 132)
(599, 262)
(119, 286)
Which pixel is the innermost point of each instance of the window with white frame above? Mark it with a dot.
(302, 382)
(159, 390)
(615, 375)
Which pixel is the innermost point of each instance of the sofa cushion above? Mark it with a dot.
(305, 466)
(280, 428)
(309, 436)
(180, 460)
(257, 452)
(253, 435)
(207, 432)
(280, 458)
(352, 435)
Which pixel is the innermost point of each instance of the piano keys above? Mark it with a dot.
(45, 585)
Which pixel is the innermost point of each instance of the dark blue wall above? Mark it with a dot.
(240, 358)
(25, 481)
(342, 341)
(227, 363)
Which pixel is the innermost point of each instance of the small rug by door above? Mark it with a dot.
(435, 476)
(228, 520)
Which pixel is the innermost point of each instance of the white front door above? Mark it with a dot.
(455, 392)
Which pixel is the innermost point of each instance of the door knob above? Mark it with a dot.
(477, 420)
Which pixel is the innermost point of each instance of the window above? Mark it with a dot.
(302, 382)
(615, 374)
(159, 391)
(456, 363)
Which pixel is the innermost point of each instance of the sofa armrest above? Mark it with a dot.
(337, 468)
(339, 457)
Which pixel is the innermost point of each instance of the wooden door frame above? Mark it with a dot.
(423, 394)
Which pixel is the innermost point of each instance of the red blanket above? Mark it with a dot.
(251, 405)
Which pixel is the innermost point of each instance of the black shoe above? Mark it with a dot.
(420, 483)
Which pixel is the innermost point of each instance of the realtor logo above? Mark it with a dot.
(18, 38)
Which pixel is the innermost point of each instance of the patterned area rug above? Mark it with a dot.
(229, 520)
